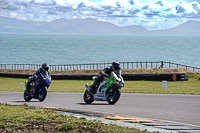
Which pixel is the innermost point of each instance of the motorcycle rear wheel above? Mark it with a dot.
(112, 99)
(87, 97)
(42, 93)
(26, 96)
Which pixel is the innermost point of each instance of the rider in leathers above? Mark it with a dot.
(35, 76)
(106, 73)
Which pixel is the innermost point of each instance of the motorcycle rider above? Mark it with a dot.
(35, 76)
(106, 72)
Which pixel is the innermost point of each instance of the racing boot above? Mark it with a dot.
(93, 86)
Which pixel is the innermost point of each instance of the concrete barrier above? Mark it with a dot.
(127, 77)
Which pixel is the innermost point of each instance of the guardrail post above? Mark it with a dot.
(146, 65)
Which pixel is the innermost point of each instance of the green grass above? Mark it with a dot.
(179, 87)
(27, 119)
(156, 87)
(173, 87)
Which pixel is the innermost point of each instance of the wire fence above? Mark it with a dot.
(124, 65)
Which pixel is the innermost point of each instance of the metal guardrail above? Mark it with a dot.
(124, 65)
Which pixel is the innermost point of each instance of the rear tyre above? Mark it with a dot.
(88, 98)
(113, 97)
(26, 96)
(42, 93)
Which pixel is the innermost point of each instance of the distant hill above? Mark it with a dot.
(190, 28)
(10, 25)
(91, 27)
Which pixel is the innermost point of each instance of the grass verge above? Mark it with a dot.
(27, 119)
(173, 87)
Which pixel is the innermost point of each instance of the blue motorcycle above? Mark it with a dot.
(38, 88)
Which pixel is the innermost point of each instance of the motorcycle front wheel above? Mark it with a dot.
(87, 97)
(113, 97)
(26, 96)
(42, 93)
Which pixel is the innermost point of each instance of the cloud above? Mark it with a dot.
(158, 14)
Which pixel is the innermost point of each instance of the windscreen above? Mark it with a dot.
(45, 74)
(118, 72)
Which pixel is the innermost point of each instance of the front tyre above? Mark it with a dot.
(87, 97)
(42, 93)
(26, 96)
(113, 97)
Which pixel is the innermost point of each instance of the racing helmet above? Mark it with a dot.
(45, 67)
(116, 66)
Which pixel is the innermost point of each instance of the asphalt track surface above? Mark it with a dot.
(170, 107)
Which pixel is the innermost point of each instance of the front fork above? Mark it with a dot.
(110, 91)
(26, 85)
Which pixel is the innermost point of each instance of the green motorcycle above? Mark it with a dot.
(108, 90)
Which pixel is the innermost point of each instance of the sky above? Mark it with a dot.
(151, 14)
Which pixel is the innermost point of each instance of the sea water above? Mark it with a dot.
(67, 49)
